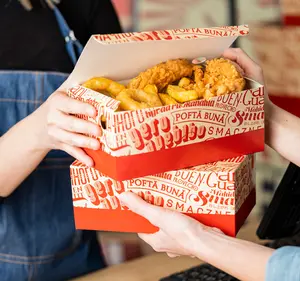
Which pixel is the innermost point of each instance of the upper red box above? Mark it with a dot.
(150, 141)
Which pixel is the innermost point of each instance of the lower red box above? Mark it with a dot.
(219, 194)
(127, 221)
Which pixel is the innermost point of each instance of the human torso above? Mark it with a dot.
(36, 221)
(32, 40)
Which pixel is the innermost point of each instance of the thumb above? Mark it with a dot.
(241, 59)
(165, 219)
(156, 215)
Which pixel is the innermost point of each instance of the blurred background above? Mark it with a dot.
(273, 34)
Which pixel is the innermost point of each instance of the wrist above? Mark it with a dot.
(207, 243)
(36, 137)
(270, 121)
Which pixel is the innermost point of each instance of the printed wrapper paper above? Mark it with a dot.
(290, 12)
(150, 141)
(277, 50)
(220, 194)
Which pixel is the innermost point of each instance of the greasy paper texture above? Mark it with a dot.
(216, 188)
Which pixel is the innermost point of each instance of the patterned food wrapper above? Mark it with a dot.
(219, 194)
(150, 141)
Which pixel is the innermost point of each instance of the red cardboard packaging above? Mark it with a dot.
(150, 141)
(219, 194)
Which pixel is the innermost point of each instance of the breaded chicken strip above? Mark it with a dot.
(221, 77)
(162, 74)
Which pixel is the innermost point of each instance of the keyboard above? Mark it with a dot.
(207, 272)
(204, 272)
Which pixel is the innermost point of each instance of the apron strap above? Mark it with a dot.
(73, 46)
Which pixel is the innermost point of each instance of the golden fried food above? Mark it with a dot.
(198, 78)
(151, 89)
(181, 95)
(162, 74)
(166, 99)
(184, 82)
(221, 77)
(100, 84)
(134, 99)
(172, 82)
(198, 74)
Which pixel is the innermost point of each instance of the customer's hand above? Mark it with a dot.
(58, 128)
(249, 67)
(177, 235)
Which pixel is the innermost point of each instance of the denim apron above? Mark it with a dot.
(38, 240)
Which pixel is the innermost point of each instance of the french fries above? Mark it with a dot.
(181, 95)
(151, 89)
(100, 84)
(220, 77)
(134, 99)
(184, 82)
(166, 99)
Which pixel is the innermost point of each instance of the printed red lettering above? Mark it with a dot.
(165, 124)
(91, 194)
(109, 187)
(192, 132)
(146, 131)
(137, 139)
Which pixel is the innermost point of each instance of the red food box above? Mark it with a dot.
(150, 141)
(219, 194)
(290, 10)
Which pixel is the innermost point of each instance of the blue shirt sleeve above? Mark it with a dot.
(284, 265)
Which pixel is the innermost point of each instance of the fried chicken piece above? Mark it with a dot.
(162, 74)
(198, 73)
(198, 78)
(221, 77)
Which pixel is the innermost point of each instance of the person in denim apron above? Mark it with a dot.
(38, 240)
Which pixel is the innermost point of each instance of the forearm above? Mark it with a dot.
(20, 154)
(282, 132)
(244, 260)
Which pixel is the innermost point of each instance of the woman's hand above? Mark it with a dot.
(177, 233)
(58, 128)
(181, 235)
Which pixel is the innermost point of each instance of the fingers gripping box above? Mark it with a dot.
(220, 194)
(149, 141)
